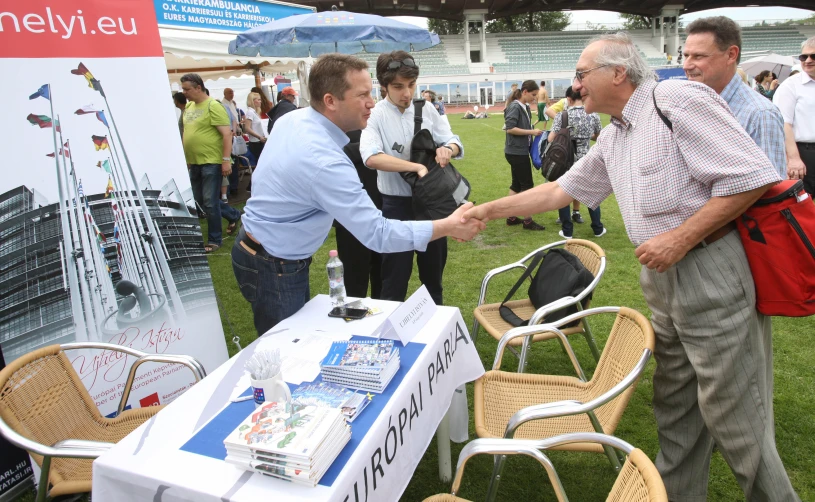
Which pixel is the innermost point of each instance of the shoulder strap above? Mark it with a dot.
(418, 105)
(659, 112)
(564, 119)
(533, 266)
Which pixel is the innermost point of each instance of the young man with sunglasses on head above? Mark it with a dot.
(795, 97)
(385, 146)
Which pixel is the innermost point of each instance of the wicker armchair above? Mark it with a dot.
(46, 410)
(590, 255)
(526, 406)
(638, 480)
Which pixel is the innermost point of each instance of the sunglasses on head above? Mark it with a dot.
(395, 65)
(803, 57)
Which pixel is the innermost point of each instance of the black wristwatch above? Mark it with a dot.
(450, 147)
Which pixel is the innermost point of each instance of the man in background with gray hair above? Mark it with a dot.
(712, 52)
(682, 169)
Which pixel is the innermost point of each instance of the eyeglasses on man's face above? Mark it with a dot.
(395, 65)
(578, 75)
(803, 57)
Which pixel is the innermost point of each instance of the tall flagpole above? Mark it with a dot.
(81, 331)
(145, 248)
(178, 307)
(79, 253)
(90, 251)
(132, 237)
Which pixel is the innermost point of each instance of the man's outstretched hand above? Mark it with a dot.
(461, 228)
(474, 213)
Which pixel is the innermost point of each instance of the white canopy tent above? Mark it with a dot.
(207, 54)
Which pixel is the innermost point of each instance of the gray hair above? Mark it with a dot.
(810, 42)
(620, 50)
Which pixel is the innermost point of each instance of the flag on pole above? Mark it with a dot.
(57, 126)
(61, 153)
(104, 164)
(44, 91)
(92, 82)
(41, 120)
(86, 110)
(101, 116)
(109, 188)
(79, 189)
(64, 151)
(100, 142)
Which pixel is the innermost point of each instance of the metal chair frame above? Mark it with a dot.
(532, 448)
(566, 407)
(80, 448)
(545, 310)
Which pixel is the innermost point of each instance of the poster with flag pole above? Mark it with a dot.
(91, 250)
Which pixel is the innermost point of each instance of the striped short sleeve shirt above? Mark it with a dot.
(662, 177)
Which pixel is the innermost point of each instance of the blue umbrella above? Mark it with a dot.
(331, 31)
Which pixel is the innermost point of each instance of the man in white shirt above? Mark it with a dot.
(232, 108)
(795, 97)
(385, 146)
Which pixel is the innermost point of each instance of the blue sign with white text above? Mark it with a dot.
(222, 15)
(671, 74)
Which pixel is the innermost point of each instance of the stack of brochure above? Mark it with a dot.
(331, 395)
(367, 365)
(289, 441)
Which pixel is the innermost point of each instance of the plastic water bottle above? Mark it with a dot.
(336, 284)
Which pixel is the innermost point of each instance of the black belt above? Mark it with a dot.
(806, 146)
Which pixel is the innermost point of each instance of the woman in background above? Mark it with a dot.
(253, 125)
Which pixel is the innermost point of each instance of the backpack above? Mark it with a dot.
(778, 235)
(536, 150)
(560, 153)
(560, 274)
(442, 190)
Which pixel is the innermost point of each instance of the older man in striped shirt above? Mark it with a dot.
(682, 169)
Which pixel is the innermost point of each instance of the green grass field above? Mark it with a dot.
(586, 477)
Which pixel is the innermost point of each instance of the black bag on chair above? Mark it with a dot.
(443, 189)
(560, 274)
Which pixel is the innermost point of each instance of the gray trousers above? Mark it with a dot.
(714, 379)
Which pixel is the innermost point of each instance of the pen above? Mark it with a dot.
(242, 398)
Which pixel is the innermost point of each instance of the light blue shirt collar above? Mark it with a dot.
(336, 134)
(731, 88)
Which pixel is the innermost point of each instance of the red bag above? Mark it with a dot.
(778, 233)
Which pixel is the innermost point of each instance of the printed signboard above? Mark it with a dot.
(223, 15)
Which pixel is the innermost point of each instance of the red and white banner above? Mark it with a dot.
(99, 237)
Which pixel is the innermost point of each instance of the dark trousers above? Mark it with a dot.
(565, 216)
(276, 288)
(807, 153)
(360, 265)
(397, 267)
(206, 188)
(521, 169)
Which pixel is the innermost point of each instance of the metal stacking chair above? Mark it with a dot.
(590, 255)
(528, 406)
(46, 410)
(638, 480)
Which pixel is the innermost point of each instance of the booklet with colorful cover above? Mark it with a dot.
(291, 431)
(331, 395)
(364, 356)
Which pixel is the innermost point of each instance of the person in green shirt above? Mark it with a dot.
(208, 149)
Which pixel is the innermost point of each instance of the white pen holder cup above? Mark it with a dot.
(270, 390)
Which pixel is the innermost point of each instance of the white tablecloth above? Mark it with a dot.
(150, 465)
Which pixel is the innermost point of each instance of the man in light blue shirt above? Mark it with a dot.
(385, 146)
(712, 52)
(309, 182)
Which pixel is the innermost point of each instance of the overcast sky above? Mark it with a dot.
(737, 13)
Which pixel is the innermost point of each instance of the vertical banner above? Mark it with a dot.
(98, 241)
